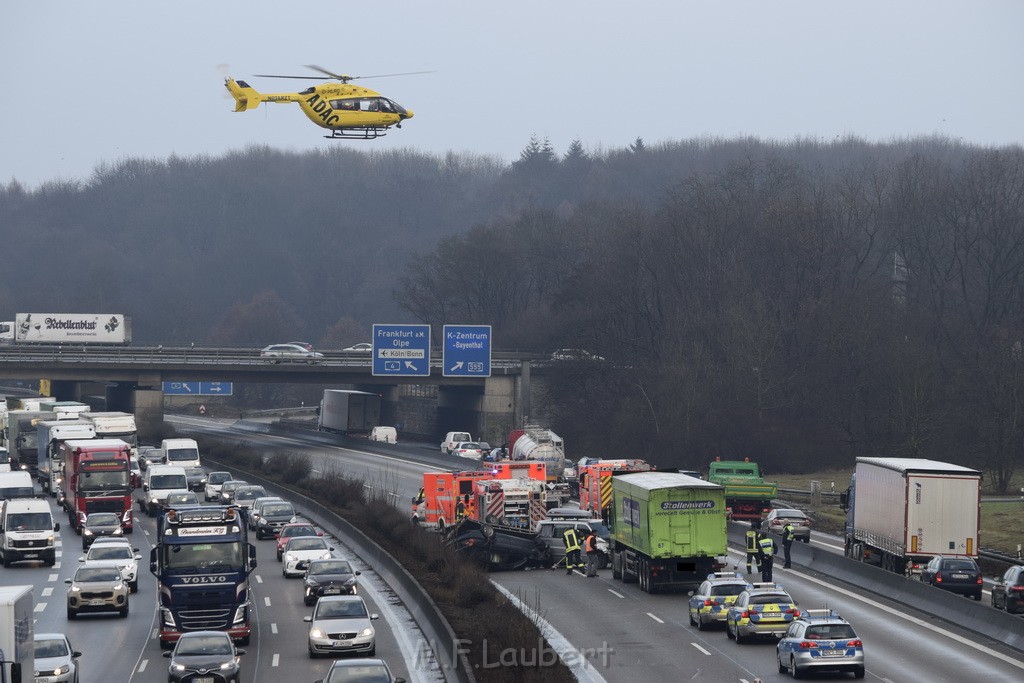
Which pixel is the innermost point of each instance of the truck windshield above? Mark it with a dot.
(182, 455)
(168, 481)
(5, 457)
(201, 557)
(29, 521)
(103, 481)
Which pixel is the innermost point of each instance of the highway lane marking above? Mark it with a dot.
(53, 577)
(142, 665)
(155, 633)
(40, 606)
(266, 601)
(701, 649)
(259, 579)
(48, 591)
(916, 621)
(276, 660)
(617, 594)
(273, 628)
(655, 618)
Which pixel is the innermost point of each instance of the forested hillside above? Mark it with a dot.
(797, 303)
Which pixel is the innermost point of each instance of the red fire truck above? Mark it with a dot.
(517, 502)
(443, 490)
(97, 476)
(596, 482)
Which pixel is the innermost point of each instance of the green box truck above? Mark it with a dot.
(668, 530)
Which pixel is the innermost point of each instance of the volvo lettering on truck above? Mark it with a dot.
(202, 563)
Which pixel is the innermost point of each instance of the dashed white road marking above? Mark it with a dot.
(266, 601)
(259, 579)
(617, 594)
(276, 660)
(273, 628)
(701, 649)
(142, 665)
(47, 592)
(655, 618)
(53, 577)
(40, 606)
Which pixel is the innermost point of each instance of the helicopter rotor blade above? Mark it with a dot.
(340, 77)
(407, 73)
(305, 78)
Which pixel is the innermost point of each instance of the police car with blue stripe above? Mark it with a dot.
(709, 603)
(818, 640)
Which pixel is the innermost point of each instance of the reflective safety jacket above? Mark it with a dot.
(767, 547)
(571, 539)
(751, 541)
(592, 543)
(788, 534)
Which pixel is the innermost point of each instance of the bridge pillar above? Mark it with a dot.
(149, 413)
(66, 390)
(498, 409)
(119, 396)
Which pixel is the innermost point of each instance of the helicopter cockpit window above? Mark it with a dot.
(347, 105)
(385, 106)
(369, 104)
(308, 91)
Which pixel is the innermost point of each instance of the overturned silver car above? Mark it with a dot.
(499, 547)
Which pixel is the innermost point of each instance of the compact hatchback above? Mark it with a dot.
(99, 525)
(294, 530)
(341, 623)
(97, 589)
(468, 449)
(214, 480)
(1008, 591)
(328, 577)
(712, 599)
(955, 574)
(820, 640)
(56, 661)
(360, 669)
(119, 554)
(298, 553)
(204, 657)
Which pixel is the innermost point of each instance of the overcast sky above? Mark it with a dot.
(88, 82)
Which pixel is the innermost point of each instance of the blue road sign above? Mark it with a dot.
(467, 351)
(216, 388)
(199, 388)
(401, 350)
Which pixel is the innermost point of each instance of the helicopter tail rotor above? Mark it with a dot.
(246, 98)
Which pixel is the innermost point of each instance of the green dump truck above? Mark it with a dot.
(747, 494)
(668, 530)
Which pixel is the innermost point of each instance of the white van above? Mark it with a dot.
(452, 438)
(27, 531)
(385, 434)
(180, 452)
(160, 481)
(16, 484)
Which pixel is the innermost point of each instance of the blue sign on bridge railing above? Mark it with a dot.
(401, 350)
(467, 351)
(199, 388)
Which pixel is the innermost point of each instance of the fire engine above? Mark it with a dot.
(596, 482)
(518, 503)
(443, 490)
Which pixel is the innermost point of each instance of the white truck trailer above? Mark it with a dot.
(49, 436)
(901, 512)
(17, 635)
(346, 411)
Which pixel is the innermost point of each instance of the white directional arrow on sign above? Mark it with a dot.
(457, 366)
(410, 366)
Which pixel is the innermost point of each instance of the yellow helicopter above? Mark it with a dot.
(348, 111)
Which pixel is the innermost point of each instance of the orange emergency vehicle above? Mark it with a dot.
(596, 482)
(517, 502)
(443, 490)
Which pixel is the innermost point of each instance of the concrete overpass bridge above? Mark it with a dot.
(134, 376)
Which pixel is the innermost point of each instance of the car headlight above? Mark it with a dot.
(75, 588)
(289, 558)
(228, 665)
(326, 555)
(119, 586)
(62, 670)
(86, 532)
(312, 583)
(49, 539)
(178, 667)
(366, 632)
(316, 632)
(118, 532)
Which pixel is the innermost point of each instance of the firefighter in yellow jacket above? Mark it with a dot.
(571, 538)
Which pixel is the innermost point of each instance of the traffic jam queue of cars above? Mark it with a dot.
(107, 576)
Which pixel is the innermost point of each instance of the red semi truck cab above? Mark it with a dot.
(97, 477)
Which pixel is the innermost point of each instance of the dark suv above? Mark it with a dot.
(955, 574)
(1008, 591)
